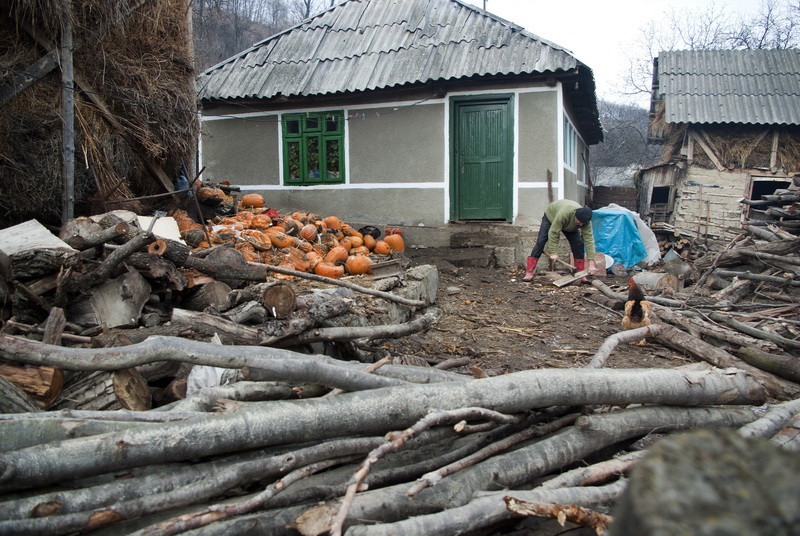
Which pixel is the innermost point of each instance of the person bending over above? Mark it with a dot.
(575, 222)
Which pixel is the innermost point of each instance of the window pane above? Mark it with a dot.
(312, 158)
(332, 162)
(332, 124)
(293, 126)
(312, 123)
(294, 160)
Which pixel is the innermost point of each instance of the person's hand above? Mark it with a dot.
(553, 258)
(592, 267)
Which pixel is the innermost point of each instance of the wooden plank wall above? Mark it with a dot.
(707, 202)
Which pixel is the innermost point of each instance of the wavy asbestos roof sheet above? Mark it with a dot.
(363, 45)
(759, 87)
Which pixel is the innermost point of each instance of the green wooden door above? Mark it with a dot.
(482, 154)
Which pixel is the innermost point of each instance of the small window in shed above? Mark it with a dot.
(758, 187)
(766, 187)
(661, 203)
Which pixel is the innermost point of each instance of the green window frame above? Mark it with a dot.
(313, 148)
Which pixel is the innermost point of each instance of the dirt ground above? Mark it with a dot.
(503, 324)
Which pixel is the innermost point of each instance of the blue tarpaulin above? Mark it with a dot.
(616, 234)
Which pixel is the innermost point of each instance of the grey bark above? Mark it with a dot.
(775, 419)
(368, 412)
(754, 332)
(212, 484)
(370, 333)
(488, 510)
(282, 364)
(786, 367)
(511, 470)
(678, 340)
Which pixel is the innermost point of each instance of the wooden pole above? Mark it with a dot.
(68, 111)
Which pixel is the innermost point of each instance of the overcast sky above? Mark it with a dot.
(598, 32)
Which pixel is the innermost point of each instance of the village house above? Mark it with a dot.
(730, 124)
(425, 115)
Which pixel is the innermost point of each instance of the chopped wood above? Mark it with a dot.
(106, 390)
(42, 383)
(214, 294)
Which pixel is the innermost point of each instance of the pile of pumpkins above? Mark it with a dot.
(301, 241)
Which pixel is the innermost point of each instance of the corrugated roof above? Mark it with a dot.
(729, 86)
(362, 45)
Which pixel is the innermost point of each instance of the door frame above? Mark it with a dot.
(456, 102)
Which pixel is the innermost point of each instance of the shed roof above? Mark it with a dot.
(362, 45)
(759, 87)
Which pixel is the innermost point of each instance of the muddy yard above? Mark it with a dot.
(503, 324)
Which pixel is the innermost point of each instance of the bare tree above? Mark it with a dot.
(305, 8)
(624, 138)
(776, 24)
(224, 27)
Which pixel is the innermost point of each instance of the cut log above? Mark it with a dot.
(732, 257)
(54, 326)
(84, 233)
(116, 303)
(106, 390)
(250, 312)
(108, 267)
(656, 281)
(279, 299)
(157, 267)
(215, 294)
(43, 384)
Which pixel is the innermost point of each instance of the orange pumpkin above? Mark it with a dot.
(302, 217)
(346, 243)
(291, 226)
(253, 201)
(314, 258)
(279, 238)
(360, 250)
(327, 269)
(332, 222)
(260, 221)
(369, 242)
(298, 259)
(347, 230)
(395, 242)
(328, 239)
(357, 264)
(309, 232)
(336, 255)
(382, 248)
(260, 241)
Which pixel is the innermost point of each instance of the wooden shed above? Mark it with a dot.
(729, 121)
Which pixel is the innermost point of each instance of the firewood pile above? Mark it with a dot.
(781, 209)
(234, 421)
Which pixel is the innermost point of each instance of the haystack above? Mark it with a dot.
(135, 114)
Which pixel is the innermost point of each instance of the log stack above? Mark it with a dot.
(229, 419)
(781, 208)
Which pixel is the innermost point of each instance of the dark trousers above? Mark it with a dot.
(573, 237)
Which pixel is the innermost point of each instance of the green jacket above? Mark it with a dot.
(562, 218)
